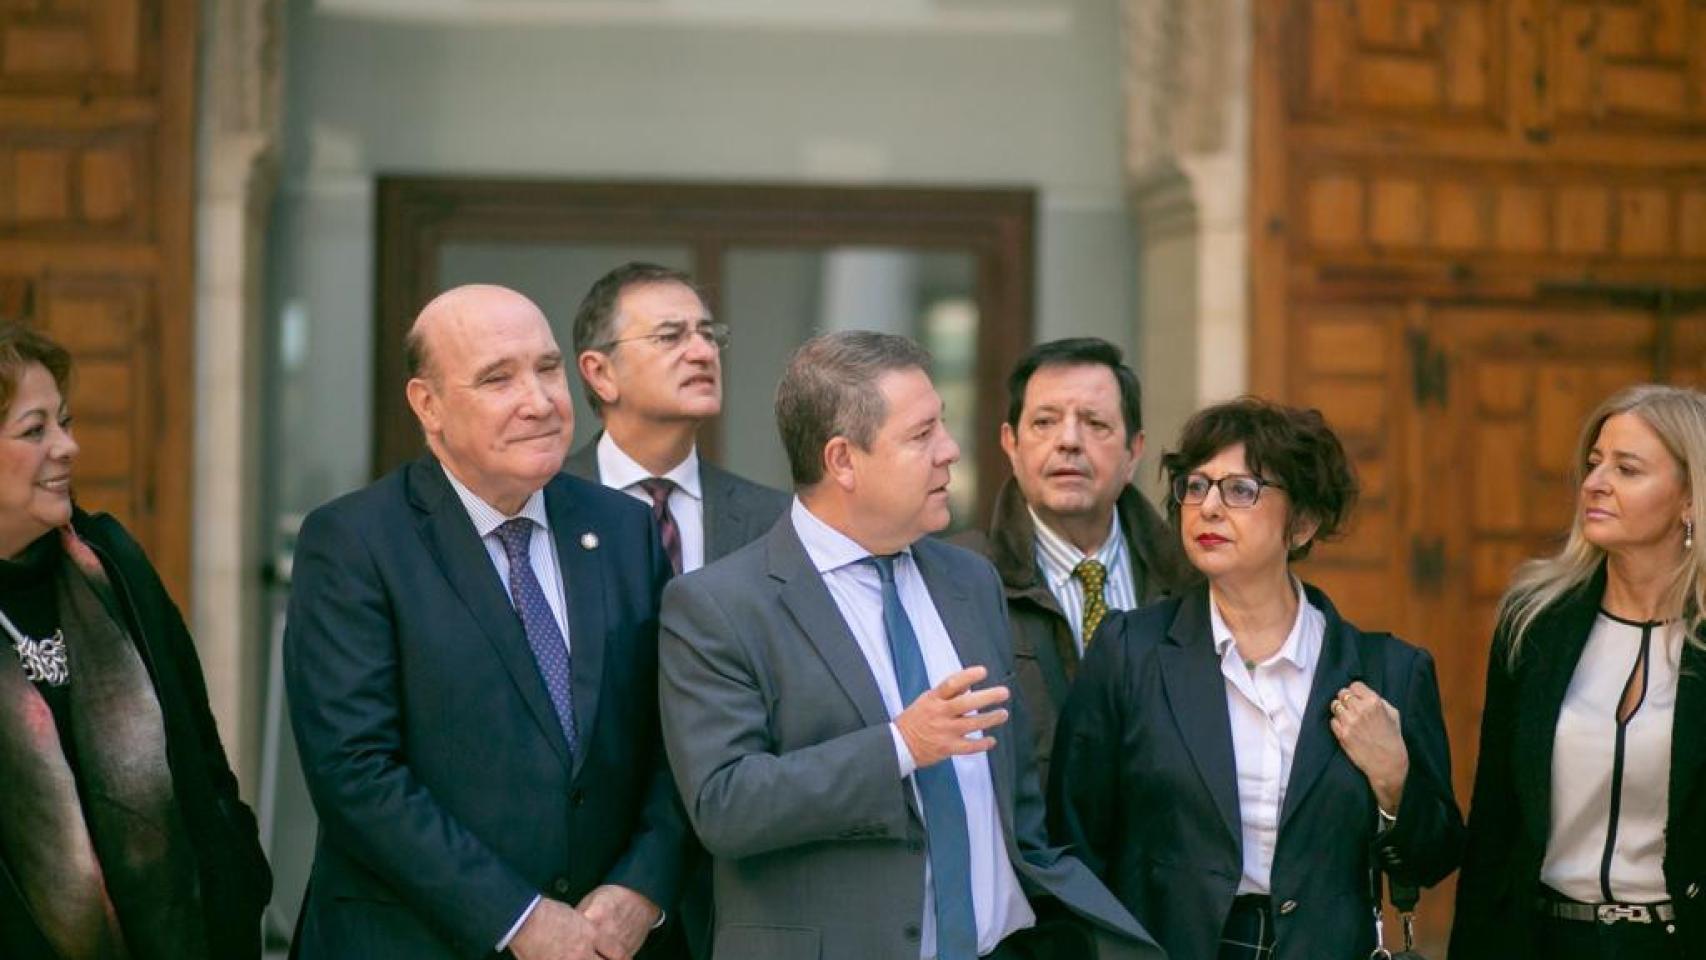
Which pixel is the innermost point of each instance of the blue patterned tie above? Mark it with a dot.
(944, 809)
(543, 635)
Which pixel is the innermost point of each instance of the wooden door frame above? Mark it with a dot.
(417, 215)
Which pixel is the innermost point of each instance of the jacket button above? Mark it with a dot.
(560, 887)
(1692, 891)
(1287, 907)
(576, 797)
(912, 932)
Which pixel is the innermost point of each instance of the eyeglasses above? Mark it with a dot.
(1237, 490)
(673, 336)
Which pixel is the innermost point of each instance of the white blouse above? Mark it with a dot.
(1611, 781)
(1266, 702)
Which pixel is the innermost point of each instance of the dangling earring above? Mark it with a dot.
(1688, 534)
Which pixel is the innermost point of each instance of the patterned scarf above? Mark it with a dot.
(108, 874)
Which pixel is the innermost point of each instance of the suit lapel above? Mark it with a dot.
(583, 463)
(1688, 751)
(1340, 663)
(725, 515)
(584, 579)
(1552, 648)
(971, 642)
(449, 536)
(815, 614)
(1196, 694)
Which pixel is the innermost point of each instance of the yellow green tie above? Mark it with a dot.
(1094, 576)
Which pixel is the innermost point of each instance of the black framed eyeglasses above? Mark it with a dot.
(1237, 490)
(673, 336)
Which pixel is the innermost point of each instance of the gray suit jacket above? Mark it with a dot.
(737, 511)
(779, 741)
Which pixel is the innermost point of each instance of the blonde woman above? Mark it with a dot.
(1587, 831)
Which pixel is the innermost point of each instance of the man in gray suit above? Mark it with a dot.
(650, 358)
(832, 697)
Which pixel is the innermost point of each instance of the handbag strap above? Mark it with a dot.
(1404, 896)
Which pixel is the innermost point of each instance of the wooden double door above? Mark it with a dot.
(1464, 420)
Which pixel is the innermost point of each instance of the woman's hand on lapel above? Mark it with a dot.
(1371, 734)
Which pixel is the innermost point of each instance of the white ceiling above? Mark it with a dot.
(950, 17)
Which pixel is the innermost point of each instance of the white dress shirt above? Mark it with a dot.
(997, 899)
(1593, 854)
(542, 553)
(619, 471)
(1057, 557)
(1266, 704)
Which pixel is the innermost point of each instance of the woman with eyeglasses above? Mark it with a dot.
(1587, 831)
(1233, 759)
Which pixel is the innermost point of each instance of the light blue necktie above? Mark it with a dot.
(543, 635)
(944, 810)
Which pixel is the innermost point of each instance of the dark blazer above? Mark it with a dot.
(1510, 813)
(447, 794)
(737, 511)
(1045, 655)
(235, 881)
(1145, 784)
(780, 744)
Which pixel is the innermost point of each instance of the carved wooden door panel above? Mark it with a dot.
(96, 187)
(1471, 221)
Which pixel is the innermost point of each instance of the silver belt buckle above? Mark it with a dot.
(1614, 912)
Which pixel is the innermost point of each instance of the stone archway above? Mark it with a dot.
(237, 141)
(1187, 166)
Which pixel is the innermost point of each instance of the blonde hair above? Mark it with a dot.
(1678, 416)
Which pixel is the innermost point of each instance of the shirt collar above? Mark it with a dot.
(621, 471)
(488, 518)
(1302, 643)
(828, 548)
(1058, 556)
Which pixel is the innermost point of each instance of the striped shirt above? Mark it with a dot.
(1057, 558)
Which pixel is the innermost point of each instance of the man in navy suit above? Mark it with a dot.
(471, 660)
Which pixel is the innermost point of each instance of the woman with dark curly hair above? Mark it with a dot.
(1231, 759)
(121, 833)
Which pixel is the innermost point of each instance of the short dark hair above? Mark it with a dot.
(1290, 446)
(830, 390)
(1077, 352)
(595, 319)
(23, 347)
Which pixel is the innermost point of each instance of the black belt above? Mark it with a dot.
(1606, 913)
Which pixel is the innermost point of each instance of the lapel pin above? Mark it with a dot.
(589, 541)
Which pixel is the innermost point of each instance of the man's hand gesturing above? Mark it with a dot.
(949, 720)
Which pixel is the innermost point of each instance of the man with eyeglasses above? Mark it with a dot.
(650, 359)
(1069, 534)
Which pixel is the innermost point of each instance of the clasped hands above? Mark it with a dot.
(950, 719)
(610, 923)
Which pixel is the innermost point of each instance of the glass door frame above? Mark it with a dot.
(417, 216)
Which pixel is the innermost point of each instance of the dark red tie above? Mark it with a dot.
(658, 488)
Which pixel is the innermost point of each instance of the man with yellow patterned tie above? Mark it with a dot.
(1070, 536)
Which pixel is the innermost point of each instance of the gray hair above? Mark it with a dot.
(830, 390)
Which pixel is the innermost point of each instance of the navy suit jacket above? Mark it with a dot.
(1145, 784)
(447, 794)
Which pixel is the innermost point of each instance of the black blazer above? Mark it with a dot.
(446, 791)
(235, 881)
(1144, 784)
(1510, 814)
(737, 511)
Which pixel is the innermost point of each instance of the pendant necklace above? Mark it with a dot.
(44, 660)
